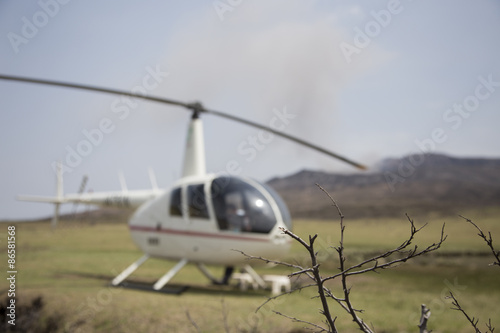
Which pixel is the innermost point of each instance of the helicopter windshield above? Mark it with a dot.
(285, 213)
(241, 207)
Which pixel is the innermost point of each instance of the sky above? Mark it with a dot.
(365, 79)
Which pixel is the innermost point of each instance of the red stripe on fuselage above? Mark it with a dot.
(195, 233)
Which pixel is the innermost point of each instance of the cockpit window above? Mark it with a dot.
(197, 205)
(175, 202)
(240, 207)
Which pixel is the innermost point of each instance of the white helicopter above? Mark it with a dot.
(203, 217)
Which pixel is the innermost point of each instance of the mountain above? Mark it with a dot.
(416, 184)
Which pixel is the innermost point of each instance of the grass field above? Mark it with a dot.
(70, 268)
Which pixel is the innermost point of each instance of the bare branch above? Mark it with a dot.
(320, 282)
(488, 241)
(192, 321)
(322, 329)
(268, 261)
(334, 203)
(314, 274)
(490, 327)
(458, 307)
(346, 302)
(224, 316)
(269, 299)
(303, 271)
(401, 249)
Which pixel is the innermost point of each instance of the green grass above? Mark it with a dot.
(71, 268)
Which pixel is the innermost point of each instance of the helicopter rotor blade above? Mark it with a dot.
(97, 89)
(196, 107)
(286, 136)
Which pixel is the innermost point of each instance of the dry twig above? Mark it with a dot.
(321, 329)
(458, 307)
(191, 320)
(224, 316)
(488, 241)
(401, 249)
(473, 321)
(340, 250)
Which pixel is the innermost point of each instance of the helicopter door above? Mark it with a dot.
(175, 207)
(241, 207)
(197, 204)
(176, 210)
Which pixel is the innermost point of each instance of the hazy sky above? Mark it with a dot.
(366, 79)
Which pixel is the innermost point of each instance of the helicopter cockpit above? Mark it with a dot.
(241, 206)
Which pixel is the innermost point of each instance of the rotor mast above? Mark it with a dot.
(194, 156)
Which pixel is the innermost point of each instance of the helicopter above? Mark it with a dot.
(203, 217)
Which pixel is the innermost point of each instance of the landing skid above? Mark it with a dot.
(129, 270)
(160, 284)
(207, 273)
(169, 275)
(118, 280)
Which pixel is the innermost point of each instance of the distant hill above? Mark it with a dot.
(416, 184)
